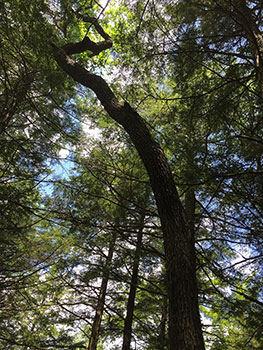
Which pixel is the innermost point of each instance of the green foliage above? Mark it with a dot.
(189, 70)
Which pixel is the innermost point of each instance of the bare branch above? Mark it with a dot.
(87, 44)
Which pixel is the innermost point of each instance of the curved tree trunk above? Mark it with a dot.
(185, 331)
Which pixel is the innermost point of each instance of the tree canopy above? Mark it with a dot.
(131, 175)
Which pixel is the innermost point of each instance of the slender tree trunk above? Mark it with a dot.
(93, 341)
(127, 336)
(244, 17)
(162, 339)
(255, 36)
(185, 331)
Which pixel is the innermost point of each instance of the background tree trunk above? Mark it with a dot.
(93, 341)
(127, 336)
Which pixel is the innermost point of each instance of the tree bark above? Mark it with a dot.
(185, 331)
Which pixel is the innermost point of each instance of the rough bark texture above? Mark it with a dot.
(185, 331)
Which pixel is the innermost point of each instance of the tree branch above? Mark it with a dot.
(248, 297)
(87, 44)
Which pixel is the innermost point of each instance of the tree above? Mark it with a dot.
(105, 202)
(30, 139)
(184, 320)
(193, 71)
